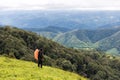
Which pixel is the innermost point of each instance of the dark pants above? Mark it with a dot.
(39, 62)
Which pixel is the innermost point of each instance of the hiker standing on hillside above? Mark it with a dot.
(38, 55)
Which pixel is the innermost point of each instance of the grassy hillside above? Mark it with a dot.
(20, 44)
(12, 69)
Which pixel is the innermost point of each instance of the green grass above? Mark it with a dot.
(12, 69)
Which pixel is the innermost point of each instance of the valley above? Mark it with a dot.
(71, 28)
(100, 39)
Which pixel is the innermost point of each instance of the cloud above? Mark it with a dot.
(60, 4)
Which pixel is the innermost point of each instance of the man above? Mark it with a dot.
(40, 57)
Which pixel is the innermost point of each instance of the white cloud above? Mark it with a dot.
(60, 4)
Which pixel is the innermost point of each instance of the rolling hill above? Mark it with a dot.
(13, 69)
(71, 39)
(110, 42)
(110, 25)
(20, 44)
(84, 39)
(49, 32)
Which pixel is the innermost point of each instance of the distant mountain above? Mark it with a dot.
(72, 28)
(110, 26)
(53, 29)
(95, 35)
(110, 42)
(73, 19)
(71, 39)
(49, 32)
(95, 39)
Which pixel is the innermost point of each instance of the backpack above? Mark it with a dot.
(36, 52)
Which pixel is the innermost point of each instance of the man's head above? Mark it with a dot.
(41, 49)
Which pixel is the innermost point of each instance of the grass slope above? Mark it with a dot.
(12, 69)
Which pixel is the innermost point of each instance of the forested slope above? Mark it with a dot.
(93, 64)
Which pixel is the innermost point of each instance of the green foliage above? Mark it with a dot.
(93, 64)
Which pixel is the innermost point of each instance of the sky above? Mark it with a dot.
(59, 4)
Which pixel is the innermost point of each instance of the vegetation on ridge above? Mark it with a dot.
(95, 65)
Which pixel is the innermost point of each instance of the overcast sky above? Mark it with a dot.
(60, 4)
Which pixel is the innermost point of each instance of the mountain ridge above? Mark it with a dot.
(86, 38)
(20, 44)
(75, 19)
